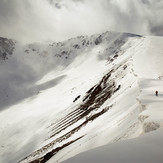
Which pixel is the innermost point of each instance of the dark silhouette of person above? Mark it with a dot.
(156, 93)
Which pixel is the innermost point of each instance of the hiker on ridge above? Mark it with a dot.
(156, 93)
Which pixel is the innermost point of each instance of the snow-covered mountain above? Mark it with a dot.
(60, 99)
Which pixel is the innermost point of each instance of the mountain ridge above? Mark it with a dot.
(64, 103)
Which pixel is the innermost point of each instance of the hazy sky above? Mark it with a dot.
(46, 20)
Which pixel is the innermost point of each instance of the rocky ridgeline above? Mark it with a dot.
(7, 47)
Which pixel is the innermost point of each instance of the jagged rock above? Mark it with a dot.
(150, 126)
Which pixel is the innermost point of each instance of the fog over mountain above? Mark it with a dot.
(81, 81)
(46, 20)
(58, 100)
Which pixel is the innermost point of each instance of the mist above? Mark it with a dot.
(58, 20)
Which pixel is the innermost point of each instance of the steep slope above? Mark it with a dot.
(147, 149)
(24, 65)
(61, 99)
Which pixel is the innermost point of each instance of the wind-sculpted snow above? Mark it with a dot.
(88, 109)
(145, 149)
(60, 99)
(29, 63)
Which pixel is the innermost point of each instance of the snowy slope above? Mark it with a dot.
(148, 68)
(145, 149)
(60, 99)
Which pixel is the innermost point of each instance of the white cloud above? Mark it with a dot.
(43, 20)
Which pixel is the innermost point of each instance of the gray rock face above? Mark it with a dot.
(150, 126)
(6, 48)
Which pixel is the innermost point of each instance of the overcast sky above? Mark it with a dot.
(47, 20)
